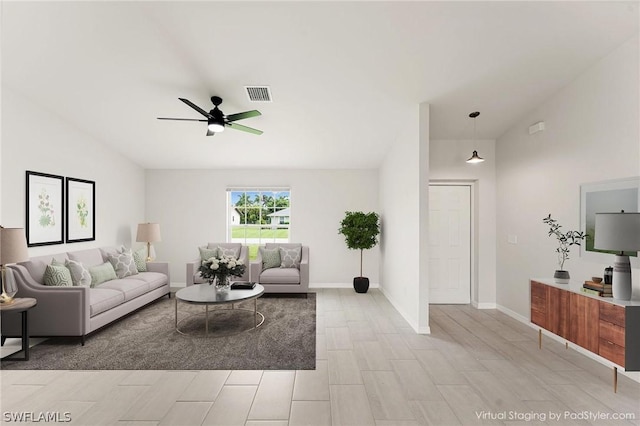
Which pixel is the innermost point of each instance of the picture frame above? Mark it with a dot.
(611, 196)
(80, 220)
(44, 209)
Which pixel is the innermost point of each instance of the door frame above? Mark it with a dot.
(473, 188)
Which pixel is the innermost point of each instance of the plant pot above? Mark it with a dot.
(361, 284)
(561, 277)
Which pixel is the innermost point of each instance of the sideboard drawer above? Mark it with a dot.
(539, 318)
(612, 313)
(611, 351)
(611, 332)
(538, 290)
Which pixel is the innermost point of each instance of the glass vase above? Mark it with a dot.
(223, 282)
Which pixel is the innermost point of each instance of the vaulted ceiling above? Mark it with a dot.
(345, 76)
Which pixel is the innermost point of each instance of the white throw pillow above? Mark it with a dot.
(123, 263)
(79, 274)
(290, 257)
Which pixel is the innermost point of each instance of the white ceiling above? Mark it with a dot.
(343, 75)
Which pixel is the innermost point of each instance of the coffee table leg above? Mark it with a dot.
(206, 319)
(176, 313)
(25, 334)
(255, 313)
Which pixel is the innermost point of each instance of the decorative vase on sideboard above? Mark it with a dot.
(561, 277)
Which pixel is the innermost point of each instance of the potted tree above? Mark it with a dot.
(361, 232)
(565, 241)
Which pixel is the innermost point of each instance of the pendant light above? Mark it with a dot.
(475, 158)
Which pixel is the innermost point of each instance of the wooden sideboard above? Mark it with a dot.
(606, 327)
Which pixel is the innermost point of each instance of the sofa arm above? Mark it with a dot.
(162, 267)
(304, 267)
(255, 268)
(60, 311)
(192, 270)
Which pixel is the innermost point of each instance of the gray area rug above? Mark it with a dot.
(147, 340)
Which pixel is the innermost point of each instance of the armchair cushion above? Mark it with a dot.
(207, 253)
(230, 251)
(280, 276)
(290, 257)
(270, 258)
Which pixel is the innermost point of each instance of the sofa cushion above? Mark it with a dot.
(280, 276)
(154, 279)
(140, 257)
(79, 274)
(103, 299)
(123, 263)
(290, 257)
(270, 257)
(130, 287)
(102, 273)
(88, 258)
(57, 276)
(197, 278)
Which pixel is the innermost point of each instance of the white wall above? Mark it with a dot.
(39, 140)
(591, 135)
(400, 218)
(447, 162)
(190, 206)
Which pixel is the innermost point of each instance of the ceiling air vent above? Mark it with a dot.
(258, 93)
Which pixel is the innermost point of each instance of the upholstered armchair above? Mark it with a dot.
(240, 251)
(283, 273)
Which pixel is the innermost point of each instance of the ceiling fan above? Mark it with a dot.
(217, 121)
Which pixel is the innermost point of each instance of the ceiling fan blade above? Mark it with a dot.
(243, 115)
(245, 128)
(181, 119)
(196, 107)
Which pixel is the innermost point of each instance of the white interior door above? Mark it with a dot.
(449, 244)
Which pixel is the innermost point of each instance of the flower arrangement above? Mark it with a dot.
(565, 239)
(221, 268)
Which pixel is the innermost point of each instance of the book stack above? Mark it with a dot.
(597, 289)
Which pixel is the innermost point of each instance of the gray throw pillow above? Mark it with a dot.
(57, 276)
(102, 273)
(79, 274)
(290, 257)
(270, 258)
(207, 253)
(140, 258)
(123, 264)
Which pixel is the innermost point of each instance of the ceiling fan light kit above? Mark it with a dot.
(475, 158)
(216, 120)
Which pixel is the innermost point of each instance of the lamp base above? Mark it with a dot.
(621, 278)
(5, 299)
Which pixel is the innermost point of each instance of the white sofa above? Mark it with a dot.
(193, 275)
(79, 311)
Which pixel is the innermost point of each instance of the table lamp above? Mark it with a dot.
(148, 233)
(13, 249)
(619, 232)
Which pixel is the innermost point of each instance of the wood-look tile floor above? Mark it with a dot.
(477, 367)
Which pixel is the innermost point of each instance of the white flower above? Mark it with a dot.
(214, 266)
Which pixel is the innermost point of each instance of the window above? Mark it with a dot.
(258, 216)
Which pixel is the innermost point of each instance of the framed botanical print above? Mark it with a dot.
(44, 209)
(81, 213)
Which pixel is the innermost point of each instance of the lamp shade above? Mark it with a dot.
(617, 231)
(148, 233)
(13, 246)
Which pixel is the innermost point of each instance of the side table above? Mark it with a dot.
(22, 305)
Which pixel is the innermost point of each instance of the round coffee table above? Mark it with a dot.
(206, 294)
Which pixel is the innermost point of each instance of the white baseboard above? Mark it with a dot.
(339, 285)
(635, 376)
(416, 328)
(483, 305)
